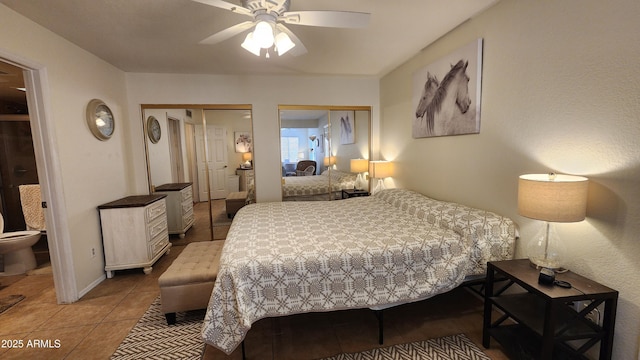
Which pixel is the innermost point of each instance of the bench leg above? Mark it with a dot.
(171, 318)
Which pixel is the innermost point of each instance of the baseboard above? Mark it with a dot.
(92, 285)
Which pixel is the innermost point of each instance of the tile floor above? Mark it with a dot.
(94, 326)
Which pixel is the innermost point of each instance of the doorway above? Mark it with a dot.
(17, 158)
(33, 78)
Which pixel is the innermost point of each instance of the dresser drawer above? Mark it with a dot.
(156, 245)
(188, 219)
(157, 227)
(187, 194)
(187, 207)
(155, 210)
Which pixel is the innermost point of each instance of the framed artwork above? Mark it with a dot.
(446, 94)
(243, 141)
(346, 120)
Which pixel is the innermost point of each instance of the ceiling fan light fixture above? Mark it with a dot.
(283, 43)
(250, 45)
(263, 35)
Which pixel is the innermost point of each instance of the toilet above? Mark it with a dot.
(15, 248)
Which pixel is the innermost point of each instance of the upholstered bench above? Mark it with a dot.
(234, 202)
(188, 282)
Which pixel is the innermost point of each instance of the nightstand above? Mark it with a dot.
(543, 322)
(349, 193)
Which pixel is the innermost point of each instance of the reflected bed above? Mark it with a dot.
(310, 188)
(398, 246)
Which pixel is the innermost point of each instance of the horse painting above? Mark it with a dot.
(443, 108)
(429, 91)
(347, 130)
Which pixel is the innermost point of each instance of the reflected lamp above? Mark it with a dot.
(551, 198)
(329, 161)
(360, 166)
(247, 157)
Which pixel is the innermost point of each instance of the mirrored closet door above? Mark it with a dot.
(200, 156)
(324, 150)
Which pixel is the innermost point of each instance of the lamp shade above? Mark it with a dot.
(329, 160)
(283, 44)
(246, 156)
(250, 45)
(359, 165)
(551, 197)
(380, 169)
(263, 34)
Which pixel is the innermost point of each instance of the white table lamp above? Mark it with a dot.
(380, 170)
(360, 166)
(551, 198)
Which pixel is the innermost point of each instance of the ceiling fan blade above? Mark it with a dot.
(227, 6)
(227, 33)
(299, 49)
(338, 19)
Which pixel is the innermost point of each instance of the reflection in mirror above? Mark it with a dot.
(317, 147)
(203, 157)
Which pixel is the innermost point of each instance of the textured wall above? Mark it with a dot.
(559, 93)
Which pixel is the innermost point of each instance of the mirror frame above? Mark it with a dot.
(329, 109)
(202, 108)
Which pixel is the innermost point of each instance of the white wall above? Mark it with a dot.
(93, 171)
(264, 93)
(559, 93)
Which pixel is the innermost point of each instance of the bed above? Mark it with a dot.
(395, 247)
(309, 188)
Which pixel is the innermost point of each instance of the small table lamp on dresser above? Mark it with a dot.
(551, 198)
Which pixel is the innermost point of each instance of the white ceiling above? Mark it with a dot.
(161, 36)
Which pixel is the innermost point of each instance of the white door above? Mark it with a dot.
(216, 161)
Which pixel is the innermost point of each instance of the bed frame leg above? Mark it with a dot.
(378, 314)
(243, 354)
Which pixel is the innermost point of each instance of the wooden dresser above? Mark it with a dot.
(134, 232)
(179, 206)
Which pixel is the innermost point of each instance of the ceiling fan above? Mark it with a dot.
(269, 17)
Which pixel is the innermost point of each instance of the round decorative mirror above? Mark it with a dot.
(100, 119)
(153, 129)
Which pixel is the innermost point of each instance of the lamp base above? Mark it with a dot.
(545, 249)
(379, 186)
(360, 183)
(538, 263)
(552, 264)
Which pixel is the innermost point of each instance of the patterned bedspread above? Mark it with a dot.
(317, 184)
(397, 246)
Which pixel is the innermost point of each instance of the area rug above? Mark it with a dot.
(454, 347)
(7, 302)
(152, 338)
